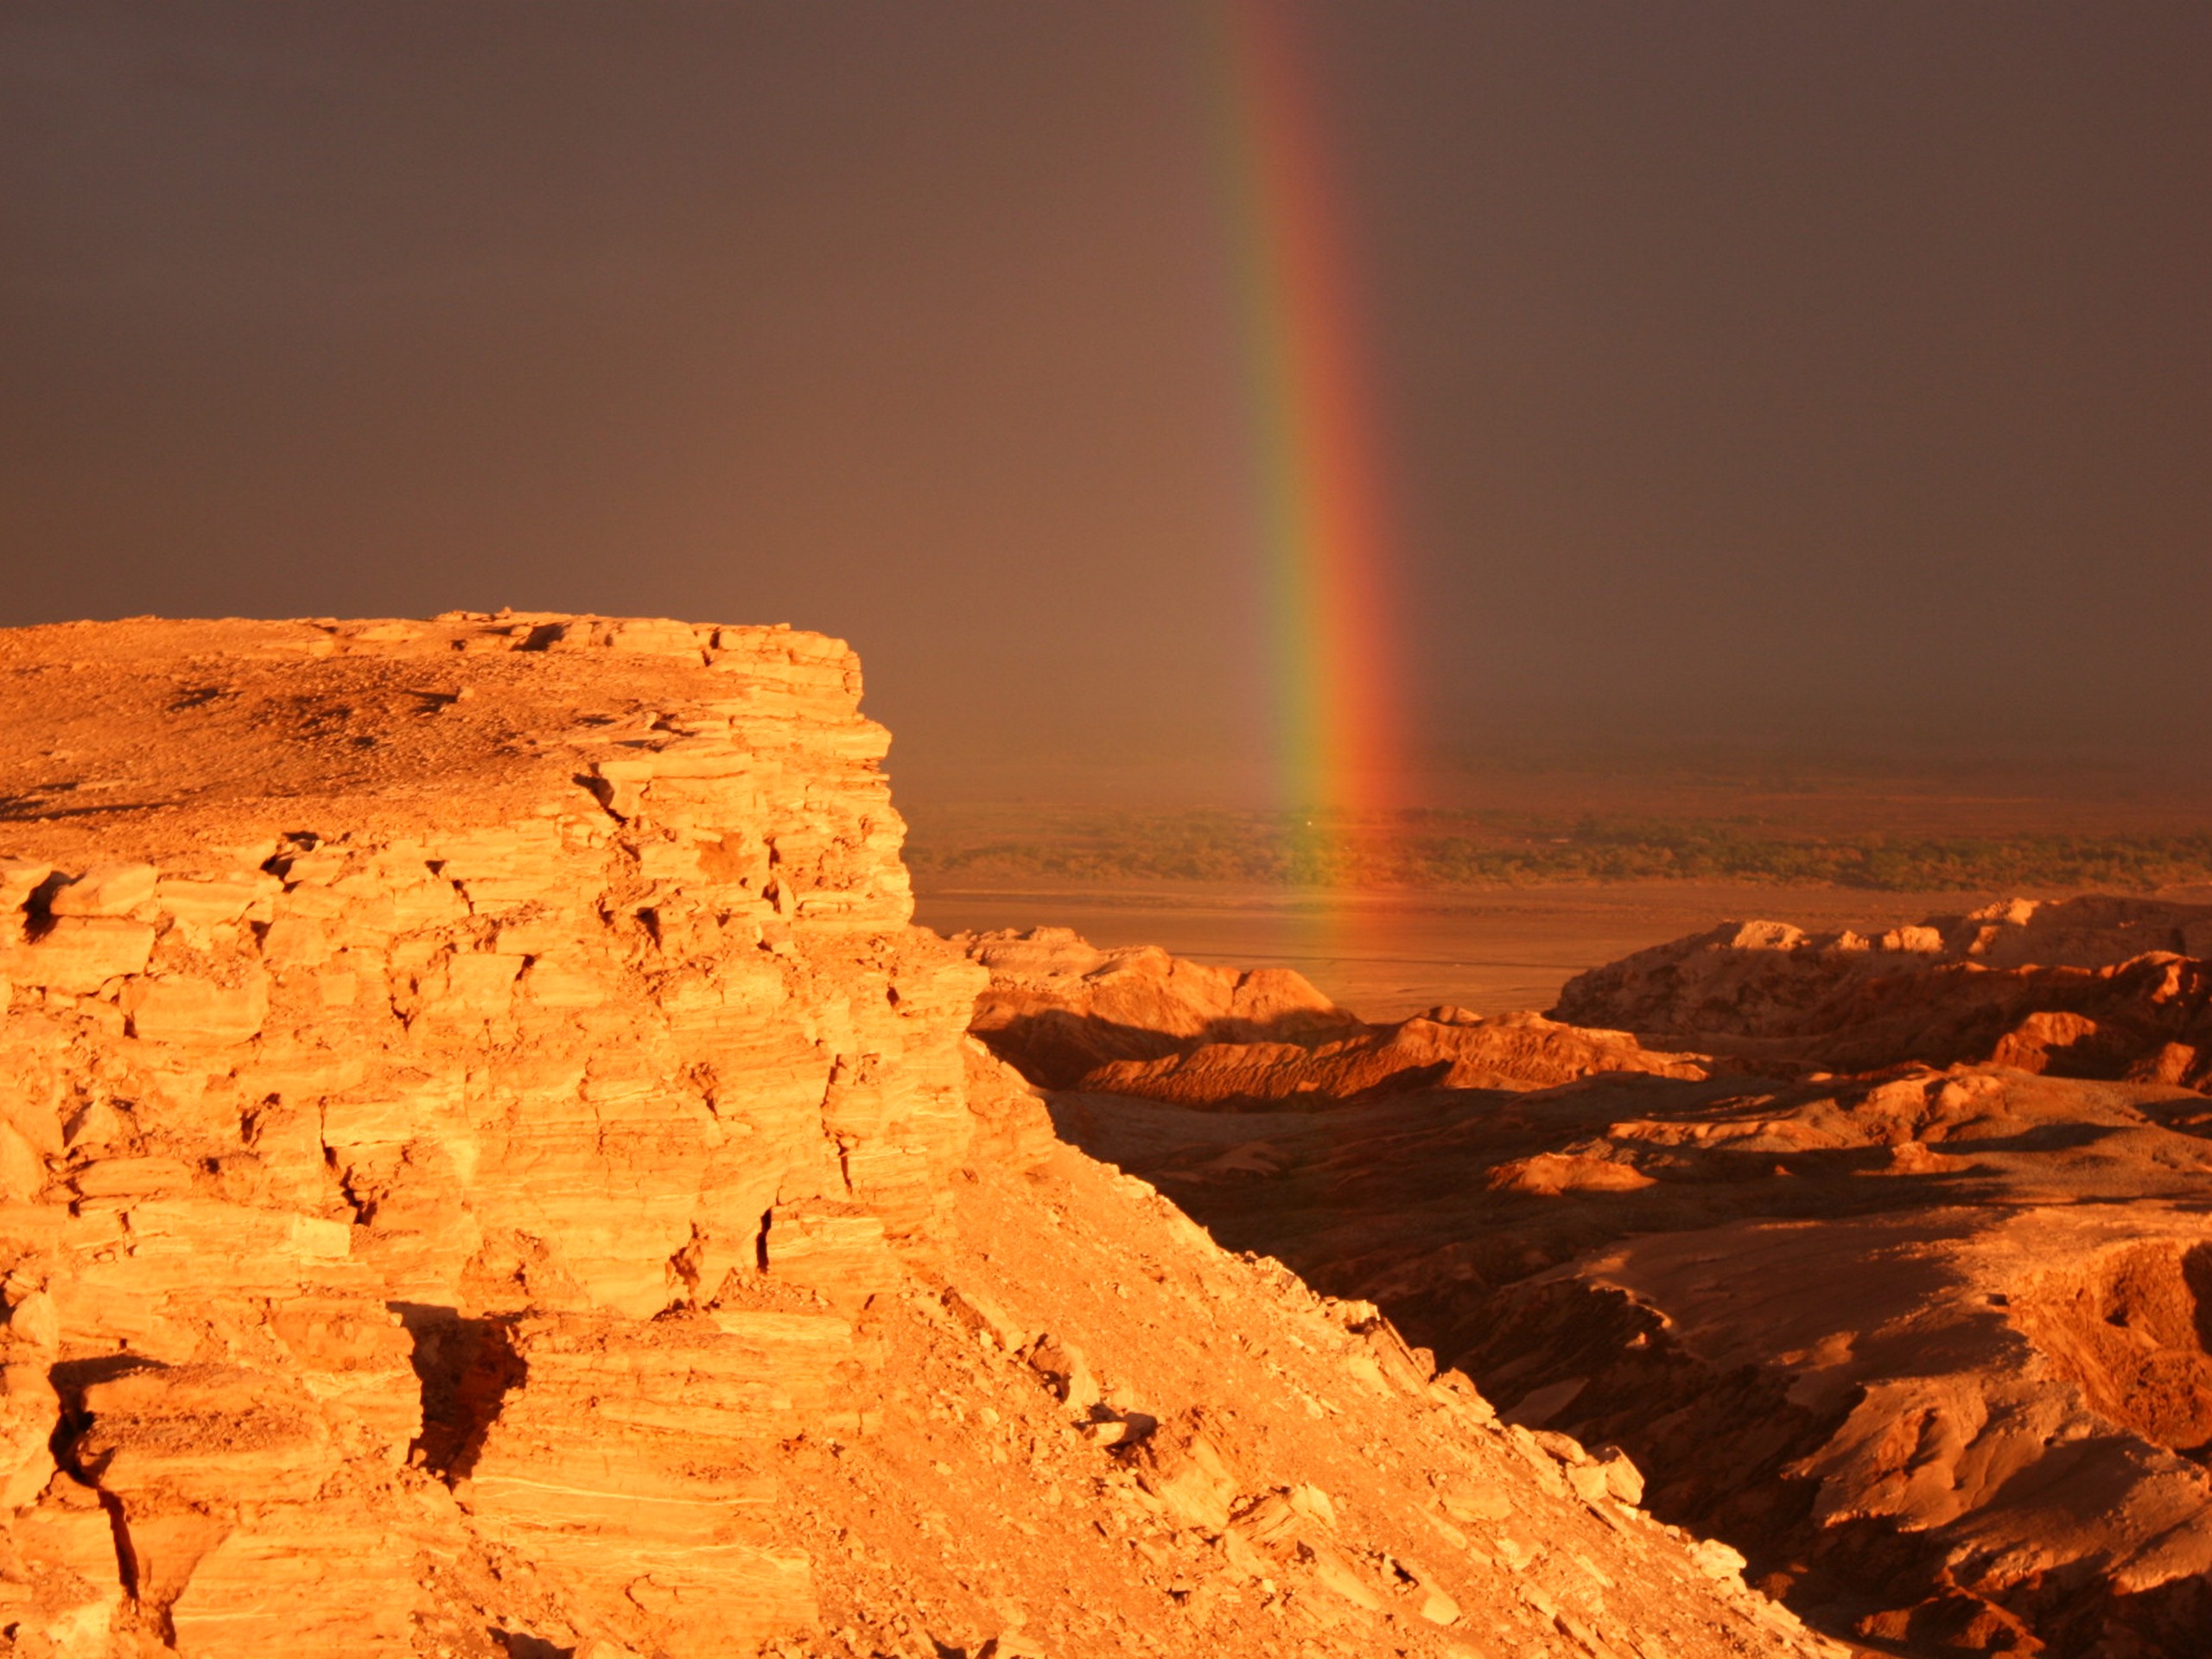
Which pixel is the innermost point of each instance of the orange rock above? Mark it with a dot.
(2093, 987)
(1058, 1008)
(104, 890)
(177, 1008)
(1178, 1464)
(79, 954)
(487, 1164)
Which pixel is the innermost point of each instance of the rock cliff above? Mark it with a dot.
(485, 1167)
(340, 1129)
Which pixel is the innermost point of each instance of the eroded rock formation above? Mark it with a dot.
(397, 1091)
(1059, 1008)
(485, 1167)
(2093, 987)
(1139, 1021)
(1932, 1343)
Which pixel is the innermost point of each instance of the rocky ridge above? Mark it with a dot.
(2093, 987)
(485, 1167)
(1139, 1021)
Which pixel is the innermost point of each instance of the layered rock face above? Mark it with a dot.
(1931, 1344)
(486, 1168)
(516, 1136)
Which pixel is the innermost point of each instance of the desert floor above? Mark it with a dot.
(1387, 954)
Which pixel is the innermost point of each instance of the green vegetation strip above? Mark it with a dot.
(1442, 850)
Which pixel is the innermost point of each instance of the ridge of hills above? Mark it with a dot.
(1883, 1256)
(487, 1166)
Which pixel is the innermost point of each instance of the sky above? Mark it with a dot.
(1800, 377)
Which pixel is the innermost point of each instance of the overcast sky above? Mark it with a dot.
(1777, 374)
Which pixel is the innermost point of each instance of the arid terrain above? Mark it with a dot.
(1390, 955)
(1882, 1252)
(1564, 866)
(487, 1167)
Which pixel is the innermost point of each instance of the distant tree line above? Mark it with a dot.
(1431, 850)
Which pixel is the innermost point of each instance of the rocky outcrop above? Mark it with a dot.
(2093, 987)
(388, 1130)
(1057, 1007)
(1445, 1048)
(1139, 1021)
(486, 1168)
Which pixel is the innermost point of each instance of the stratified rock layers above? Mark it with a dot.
(485, 1169)
(553, 1109)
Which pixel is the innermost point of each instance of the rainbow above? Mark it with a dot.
(1324, 542)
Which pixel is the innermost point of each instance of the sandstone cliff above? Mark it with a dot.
(394, 1031)
(487, 1167)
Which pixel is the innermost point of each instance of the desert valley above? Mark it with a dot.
(1508, 955)
(490, 1167)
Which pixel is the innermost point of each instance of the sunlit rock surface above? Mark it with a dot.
(1891, 1269)
(2093, 987)
(487, 1167)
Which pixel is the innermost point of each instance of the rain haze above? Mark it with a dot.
(1818, 380)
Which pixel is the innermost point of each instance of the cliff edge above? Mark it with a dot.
(487, 1167)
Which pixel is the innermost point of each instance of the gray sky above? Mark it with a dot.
(1809, 376)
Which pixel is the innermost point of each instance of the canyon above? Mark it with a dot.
(488, 1166)
(1882, 1253)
